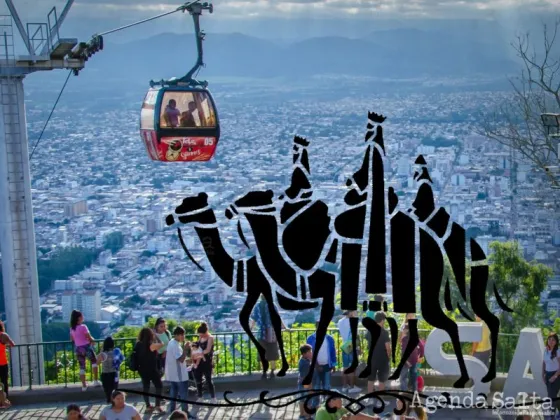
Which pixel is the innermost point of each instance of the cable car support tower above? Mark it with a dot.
(45, 51)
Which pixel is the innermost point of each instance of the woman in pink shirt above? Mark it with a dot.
(83, 341)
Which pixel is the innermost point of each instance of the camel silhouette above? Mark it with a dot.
(298, 243)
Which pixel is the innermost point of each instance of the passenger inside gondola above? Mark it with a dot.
(171, 114)
(187, 117)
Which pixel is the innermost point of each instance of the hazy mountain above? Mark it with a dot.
(392, 53)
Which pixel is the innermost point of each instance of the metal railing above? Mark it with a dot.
(235, 355)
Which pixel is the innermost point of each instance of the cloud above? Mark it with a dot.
(226, 9)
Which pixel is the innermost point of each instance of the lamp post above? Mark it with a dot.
(551, 123)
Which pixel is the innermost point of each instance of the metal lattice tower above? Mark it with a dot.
(46, 51)
(7, 40)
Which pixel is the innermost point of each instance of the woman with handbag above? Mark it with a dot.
(146, 359)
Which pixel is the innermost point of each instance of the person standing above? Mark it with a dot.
(176, 370)
(79, 334)
(5, 341)
(326, 360)
(110, 359)
(482, 349)
(146, 359)
(325, 364)
(267, 337)
(551, 368)
(204, 368)
(163, 336)
(171, 114)
(303, 369)
(348, 380)
(381, 357)
(409, 373)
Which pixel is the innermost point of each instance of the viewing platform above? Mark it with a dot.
(237, 370)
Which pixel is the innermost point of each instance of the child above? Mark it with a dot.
(110, 359)
(303, 368)
(195, 351)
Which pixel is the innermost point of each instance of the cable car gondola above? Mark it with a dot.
(179, 119)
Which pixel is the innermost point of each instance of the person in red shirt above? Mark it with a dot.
(5, 341)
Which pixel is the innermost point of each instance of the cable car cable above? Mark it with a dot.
(50, 115)
(179, 9)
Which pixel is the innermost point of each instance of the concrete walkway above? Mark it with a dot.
(285, 410)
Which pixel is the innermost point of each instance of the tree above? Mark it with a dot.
(306, 317)
(44, 316)
(114, 241)
(64, 263)
(520, 284)
(517, 123)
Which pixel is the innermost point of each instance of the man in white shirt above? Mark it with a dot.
(176, 370)
(348, 381)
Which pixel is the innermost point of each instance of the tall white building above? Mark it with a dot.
(88, 303)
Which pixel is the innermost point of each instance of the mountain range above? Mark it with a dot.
(396, 53)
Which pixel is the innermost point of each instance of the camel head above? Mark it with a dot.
(189, 210)
(253, 202)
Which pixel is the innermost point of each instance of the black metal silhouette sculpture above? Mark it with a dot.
(298, 244)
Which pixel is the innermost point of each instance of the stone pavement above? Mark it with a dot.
(285, 411)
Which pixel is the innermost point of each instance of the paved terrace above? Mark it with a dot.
(50, 402)
(236, 369)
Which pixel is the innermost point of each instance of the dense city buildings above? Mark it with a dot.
(110, 200)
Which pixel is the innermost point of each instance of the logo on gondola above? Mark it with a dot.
(173, 149)
(189, 141)
(301, 252)
(190, 153)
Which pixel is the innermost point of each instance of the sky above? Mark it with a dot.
(255, 9)
(285, 18)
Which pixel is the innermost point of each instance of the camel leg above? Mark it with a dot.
(431, 274)
(479, 281)
(327, 312)
(354, 334)
(413, 341)
(244, 317)
(277, 325)
(350, 278)
(450, 327)
(374, 331)
(494, 326)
